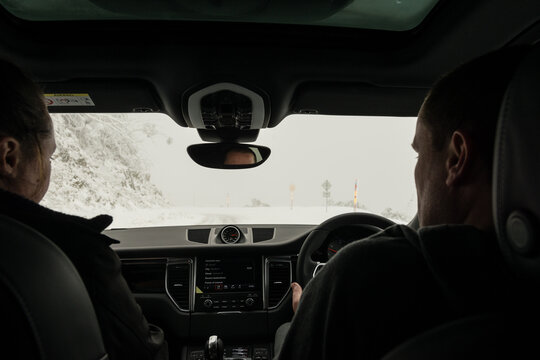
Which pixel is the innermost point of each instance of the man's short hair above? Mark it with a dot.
(469, 98)
(239, 150)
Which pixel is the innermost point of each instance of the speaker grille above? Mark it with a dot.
(199, 235)
(262, 234)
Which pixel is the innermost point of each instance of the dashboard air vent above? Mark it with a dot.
(262, 234)
(199, 235)
(145, 275)
(178, 283)
(279, 281)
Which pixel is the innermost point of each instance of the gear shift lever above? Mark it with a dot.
(213, 348)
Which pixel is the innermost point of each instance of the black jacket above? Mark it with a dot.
(377, 292)
(126, 333)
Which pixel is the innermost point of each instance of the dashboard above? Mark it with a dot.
(232, 281)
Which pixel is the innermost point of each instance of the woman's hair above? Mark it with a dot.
(23, 113)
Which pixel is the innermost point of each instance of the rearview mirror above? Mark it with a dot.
(228, 155)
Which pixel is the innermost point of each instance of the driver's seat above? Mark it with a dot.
(516, 206)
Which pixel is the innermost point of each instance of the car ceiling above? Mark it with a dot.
(301, 69)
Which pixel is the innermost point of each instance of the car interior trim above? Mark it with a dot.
(190, 262)
(195, 111)
(266, 294)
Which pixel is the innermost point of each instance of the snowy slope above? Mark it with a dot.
(96, 167)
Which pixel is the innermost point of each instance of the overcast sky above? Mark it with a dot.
(306, 151)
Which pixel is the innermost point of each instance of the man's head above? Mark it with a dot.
(26, 135)
(239, 156)
(454, 139)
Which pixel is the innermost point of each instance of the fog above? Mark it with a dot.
(306, 151)
(135, 166)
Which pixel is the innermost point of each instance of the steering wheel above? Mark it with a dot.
(306, 268)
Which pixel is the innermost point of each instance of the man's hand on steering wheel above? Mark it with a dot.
(296, 294)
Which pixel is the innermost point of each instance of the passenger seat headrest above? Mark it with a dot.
(516, 170)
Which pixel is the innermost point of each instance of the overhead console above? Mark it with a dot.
(226, 112)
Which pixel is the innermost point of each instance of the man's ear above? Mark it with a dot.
(458, 158)
(10, 156)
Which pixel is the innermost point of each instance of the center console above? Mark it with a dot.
(237, 298)
(226, 290)
(228, 284)
(234, 352)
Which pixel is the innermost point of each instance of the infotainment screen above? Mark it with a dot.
(227, 275)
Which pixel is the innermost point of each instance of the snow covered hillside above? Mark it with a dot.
(96, 167)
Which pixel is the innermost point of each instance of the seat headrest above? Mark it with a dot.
(516, 170)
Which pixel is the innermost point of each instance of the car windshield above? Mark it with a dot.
(135, 167)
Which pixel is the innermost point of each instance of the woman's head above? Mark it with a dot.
(26, 135)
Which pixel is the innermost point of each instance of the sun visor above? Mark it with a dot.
(357, 99)
(105, 96)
